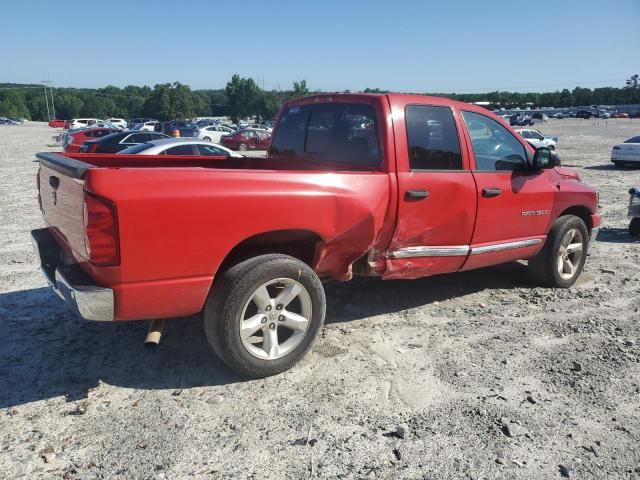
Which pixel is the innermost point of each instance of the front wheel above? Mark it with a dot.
(562, 258)
(206, 139)
(263, 314)
(242, 147)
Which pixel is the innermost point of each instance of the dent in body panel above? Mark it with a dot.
(335, 256)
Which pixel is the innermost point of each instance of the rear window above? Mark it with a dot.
(338, 132)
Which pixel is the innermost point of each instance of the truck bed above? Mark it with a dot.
(178, 218)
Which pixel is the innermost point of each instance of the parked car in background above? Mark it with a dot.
(604, 114)
(56, 123)
(73, 140)
(586, 114)
(520, 121)
(247, 139)
(117, 122)
(626, 153)
(560, 115)
(146, 126)
(536, 139)
(115, 142)
(184, 128)
(82, 122)
(180, 146)
(8, 121)
(619, 115)
(213, 133)
(260, 126)
(133, 122)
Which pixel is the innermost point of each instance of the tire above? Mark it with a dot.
(242, 147)
(206, 139)
(551, 147)
(545, 267)
(634, 227)
(231, 304)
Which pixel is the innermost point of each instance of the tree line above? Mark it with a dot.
(242, 98)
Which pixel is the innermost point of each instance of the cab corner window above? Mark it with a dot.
(432, 138)
(494, 147)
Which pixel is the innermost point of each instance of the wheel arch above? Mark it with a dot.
(580, 211)
(300, 244)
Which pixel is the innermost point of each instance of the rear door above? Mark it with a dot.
(437, 193)
(514, 202)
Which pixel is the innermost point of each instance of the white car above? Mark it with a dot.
(84, 123)
(536, 139)
(213, 133)
(181, 146)
(627, 152)
(146, 126)
(117, 122)
(260, 126)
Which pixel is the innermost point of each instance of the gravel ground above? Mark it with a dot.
(474, 375)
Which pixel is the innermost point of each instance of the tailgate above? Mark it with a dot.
(61, 187)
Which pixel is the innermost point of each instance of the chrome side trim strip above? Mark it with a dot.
(448, 251)
(497, 247)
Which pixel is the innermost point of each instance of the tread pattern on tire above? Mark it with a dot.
(228, 294)
(542, 266)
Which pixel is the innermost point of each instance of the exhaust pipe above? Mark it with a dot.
(154, 334)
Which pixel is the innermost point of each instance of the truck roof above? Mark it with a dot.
(393, 98)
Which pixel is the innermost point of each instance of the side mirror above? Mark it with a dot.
(542, 159)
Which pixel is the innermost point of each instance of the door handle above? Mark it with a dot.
(416, 194)
(491, 192)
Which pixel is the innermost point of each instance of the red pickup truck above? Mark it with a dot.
(395, 186)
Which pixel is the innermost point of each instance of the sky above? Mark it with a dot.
(406, 46)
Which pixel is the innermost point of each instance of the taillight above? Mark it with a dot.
(101, 231)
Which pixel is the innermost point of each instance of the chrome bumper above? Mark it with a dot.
(70, 283)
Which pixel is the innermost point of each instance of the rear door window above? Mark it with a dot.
(211, 151)
(432, 138)
(338, 132)
(181, 150)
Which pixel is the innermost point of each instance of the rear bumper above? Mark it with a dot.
(69, 282)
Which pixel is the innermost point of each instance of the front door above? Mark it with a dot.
(514, 202)
(437, 194)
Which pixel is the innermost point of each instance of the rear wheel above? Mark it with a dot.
(207, 139)
(634, 227)
(562, 258)
(263, 314)
(242, 147)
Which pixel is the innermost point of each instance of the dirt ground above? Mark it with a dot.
(474, 375)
